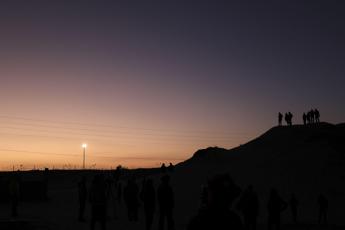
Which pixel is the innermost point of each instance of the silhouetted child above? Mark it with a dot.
(323, 209)
(148, 197)
(216, 214)
(14, 192)
(165, 197)
(98, 201)
(275, 206)
(249, 207)
(294, 206)
(131, 197)
(82, 196)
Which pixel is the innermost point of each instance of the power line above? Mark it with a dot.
(112, 126)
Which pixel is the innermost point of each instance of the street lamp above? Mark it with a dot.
(84, 150)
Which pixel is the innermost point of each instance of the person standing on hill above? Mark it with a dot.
(275, 206)
(148, 197)
(317, 116)
(304, 119)
(280, 119)
(323, 209)
(82, 196)
(294, 206)
(165, 197)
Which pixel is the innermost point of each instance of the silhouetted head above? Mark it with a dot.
(222, 191)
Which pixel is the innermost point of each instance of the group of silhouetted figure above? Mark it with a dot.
(288, 118)
(220, 202)
(311, 117)
(218, 212)
(107, 190)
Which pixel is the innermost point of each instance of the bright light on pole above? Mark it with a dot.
(84, 150)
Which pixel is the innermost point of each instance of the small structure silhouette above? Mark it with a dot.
(323, 209)
(275, 206)
(165, 197)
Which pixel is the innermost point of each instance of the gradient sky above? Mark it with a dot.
(145, 82)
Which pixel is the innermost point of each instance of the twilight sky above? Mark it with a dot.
(145, 82)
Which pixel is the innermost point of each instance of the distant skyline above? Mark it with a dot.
(147, 82)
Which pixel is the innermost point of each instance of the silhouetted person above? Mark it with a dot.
(290, 118)
(275, 206)
(14, 192)
(98, 201)
(308, 118)
(304, 119)
(323, 209)
(249, 206)
(312, 116)
(112, 194)
(119, 191)
(82, 196)
(294, 207)
(165, 197)
(148, 197)
(317, 116)
(131, 197)
(163, 168)
(171, 167)
(280, 119)
(216, 214)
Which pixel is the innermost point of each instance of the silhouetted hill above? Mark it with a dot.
(306, 160)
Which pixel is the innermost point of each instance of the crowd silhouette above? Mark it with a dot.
(311, 117)
(224, 205)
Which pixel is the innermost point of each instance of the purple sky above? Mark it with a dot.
(145, 82)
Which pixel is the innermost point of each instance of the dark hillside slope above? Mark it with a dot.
(306, 160)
